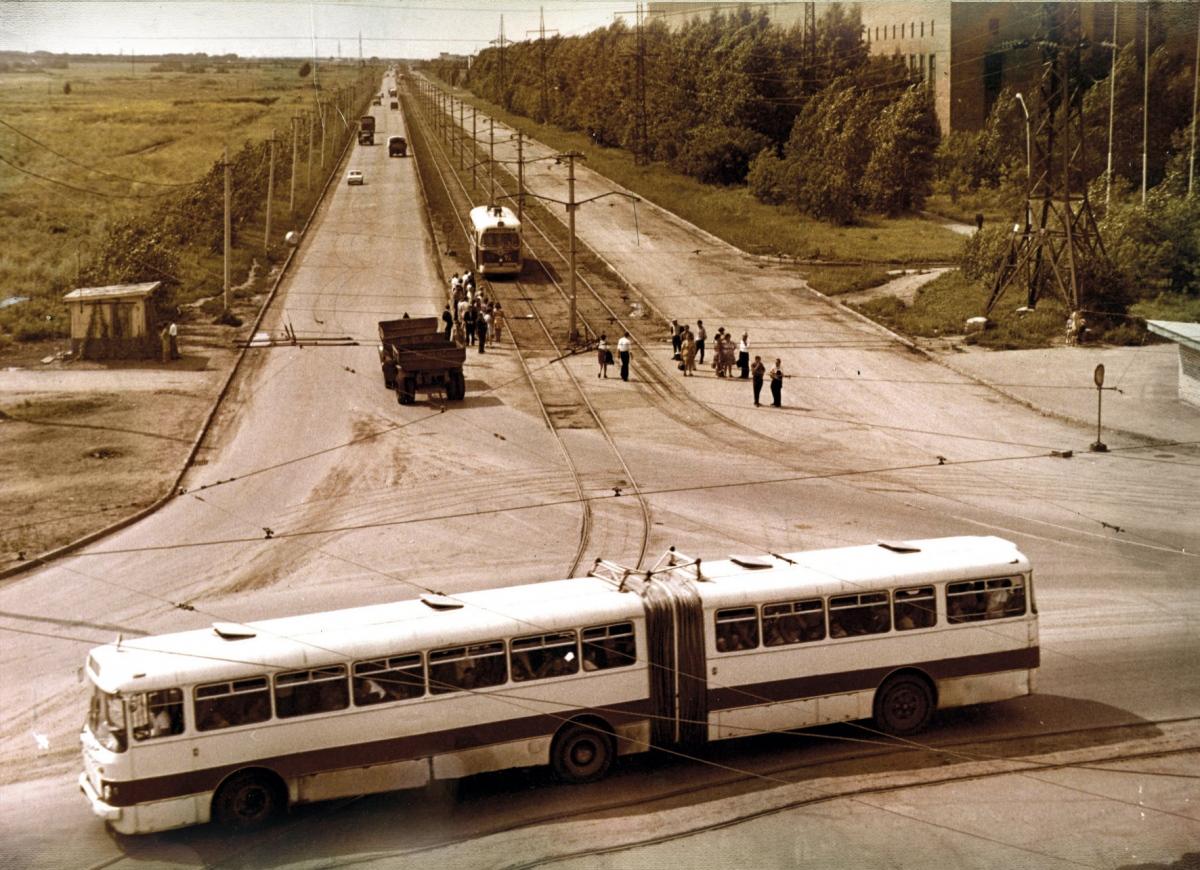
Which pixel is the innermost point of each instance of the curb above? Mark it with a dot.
(173, 491)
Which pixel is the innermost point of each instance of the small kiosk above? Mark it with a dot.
(1187, 336)
(115, 322)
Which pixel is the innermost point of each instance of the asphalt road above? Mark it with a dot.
(368, 501)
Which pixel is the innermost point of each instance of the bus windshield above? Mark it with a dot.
(106, 720)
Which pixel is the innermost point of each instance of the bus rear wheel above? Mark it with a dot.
(248, 800)
(582, 753)
(903, 705)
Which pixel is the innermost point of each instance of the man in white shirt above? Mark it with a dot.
(624, 349)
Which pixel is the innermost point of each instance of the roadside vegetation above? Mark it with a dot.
(110, 172)
(833, 155)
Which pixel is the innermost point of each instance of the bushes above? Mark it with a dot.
(719, 155)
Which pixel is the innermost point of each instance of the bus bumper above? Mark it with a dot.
(100, 808)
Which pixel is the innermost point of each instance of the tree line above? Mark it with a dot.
(733, 98)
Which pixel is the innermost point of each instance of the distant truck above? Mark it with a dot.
(397, 146)
(366, 130)
(415, 355)
(391, 92)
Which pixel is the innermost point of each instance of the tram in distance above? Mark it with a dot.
(238, 722)
(495, 241)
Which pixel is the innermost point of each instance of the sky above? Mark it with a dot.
(262, 28)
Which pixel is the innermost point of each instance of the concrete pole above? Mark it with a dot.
(474, 134)
(1146, 108)
(571, 334)
(308, 171)
(225, 161)
(1112, 102)
(462, 137)
(491, 161)
(295, 141)
(1195, 95)
(321, 115)
(270, 194)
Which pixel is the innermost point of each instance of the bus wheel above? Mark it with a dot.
(581, 753)
(248, 800)
(903, 705)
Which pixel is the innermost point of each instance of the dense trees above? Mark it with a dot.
(727, 97)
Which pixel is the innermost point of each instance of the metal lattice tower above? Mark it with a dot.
(810, 35)
(641, 136)
(544, 104)
(1060, 232)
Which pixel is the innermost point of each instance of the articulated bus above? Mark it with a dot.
(238, 722)
(495, 241)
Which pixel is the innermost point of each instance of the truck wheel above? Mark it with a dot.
(407, 391)
(457, 386)
(389, 376)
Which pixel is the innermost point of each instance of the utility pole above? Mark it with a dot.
(321, 115)
(1195, 95)
(544, 105)
(308, 171)
(270, 194)
(501, 42)
(474, 133)
(642, 154)
(1112, 103)
(491, 161)
(462, 134)
(1146, 107)
(570, 156)
(295, 138)
(225, 162)
(520, 177)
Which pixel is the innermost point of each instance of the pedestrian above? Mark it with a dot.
(497, 328)
(701, 336)
(676, 340)
(165, 339)
(719, 355)
(469, 318)
(757, 370)
(460, 333)
(688, 349)
(777, 384)
(743, 359)
(482, 321)
(460, 308)
(603, 356)
(447, 321)
(625, 350)
(173, 339)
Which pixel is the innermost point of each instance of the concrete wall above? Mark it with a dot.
(919, 32)
(1189, 375)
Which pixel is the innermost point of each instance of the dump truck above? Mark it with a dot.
(397, 146)
(415, 355)
(366, 130)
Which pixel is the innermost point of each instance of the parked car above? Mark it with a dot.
(355, 176)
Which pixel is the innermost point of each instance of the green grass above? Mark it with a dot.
(836, 280)
(942, 306)
(985, 202)
(735, 216)
(166, 127)
(1168, 306)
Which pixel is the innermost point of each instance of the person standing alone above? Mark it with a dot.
(624, 349)
(701, 336)
(743, 359)
(777, 384)
(757, 370)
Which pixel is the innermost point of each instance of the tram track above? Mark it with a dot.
(562, 401)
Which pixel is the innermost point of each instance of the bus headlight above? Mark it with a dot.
(107, 793)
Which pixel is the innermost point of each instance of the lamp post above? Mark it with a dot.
(1028, 163)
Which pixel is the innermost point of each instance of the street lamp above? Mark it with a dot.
(1028, 163)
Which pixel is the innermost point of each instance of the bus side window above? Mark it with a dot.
(302, 693)
(223, 705)
(466, 668)
(156, 714)
(966, 602)
(542, 656)
(855, 615)
(391, 679)
(736, 629)
(609, 646)
(914, 608)
(793, 622)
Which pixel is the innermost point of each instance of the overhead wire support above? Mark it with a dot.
(544, 103)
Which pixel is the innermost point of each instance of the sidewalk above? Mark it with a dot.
(1140, 386)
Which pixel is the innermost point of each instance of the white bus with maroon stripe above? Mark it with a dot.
(237, 722)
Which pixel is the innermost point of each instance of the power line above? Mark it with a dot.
(85, 190)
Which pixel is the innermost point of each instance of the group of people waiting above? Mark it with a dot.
(471, 316)
(728, 353)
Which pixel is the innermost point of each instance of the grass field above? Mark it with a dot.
(124, 137)
(731, 213)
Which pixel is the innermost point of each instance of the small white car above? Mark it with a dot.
(355, 176)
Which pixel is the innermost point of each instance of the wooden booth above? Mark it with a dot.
(116, 322)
